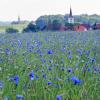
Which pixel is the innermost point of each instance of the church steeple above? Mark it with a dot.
(18, 19)
(70, 12)
(70, 18)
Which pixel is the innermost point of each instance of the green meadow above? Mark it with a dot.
(15, 26)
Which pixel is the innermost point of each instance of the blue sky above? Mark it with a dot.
(32, 9)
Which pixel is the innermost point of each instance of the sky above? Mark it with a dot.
(32, 9)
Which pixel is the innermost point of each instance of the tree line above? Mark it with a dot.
(55, 22)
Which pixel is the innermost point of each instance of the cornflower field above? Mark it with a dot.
(50, 66)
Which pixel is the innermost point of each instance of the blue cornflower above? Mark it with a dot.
(44, 76)
(30, 49)
(80, 52)
(69, 57)
(96, 70)
(69, 52)
(27, 43)
(87, 52)
(62, 68)
(89, 69)
(50, 61)
(39, 51)
(15, 79)
(19, 97)
(75, 80)
(31, 75)
(58, 97)
(7, 51)
(94, 59)
(50, 68)
(19, 43)
(37, 77)
(49, 52)
(70, 70)
(43, 60)
(46, 39)
(49, 83)
(7, 98)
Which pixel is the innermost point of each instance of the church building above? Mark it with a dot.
(19, 19)
(71, 18)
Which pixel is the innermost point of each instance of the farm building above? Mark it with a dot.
(97, 26)
(80, 28)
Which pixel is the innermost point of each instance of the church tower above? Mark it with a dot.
(71, 18)
(19, 19)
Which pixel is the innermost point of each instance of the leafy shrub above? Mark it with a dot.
(11, 30)
(56, 24)
(31, 27)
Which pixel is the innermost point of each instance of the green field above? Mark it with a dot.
(15, 26)
(50, 66)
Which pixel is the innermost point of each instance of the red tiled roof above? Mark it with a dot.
(80, 28)
(97, 25)
(85, 25)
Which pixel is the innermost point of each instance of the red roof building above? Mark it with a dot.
(80, 28)
(62, 28)
(97, 26)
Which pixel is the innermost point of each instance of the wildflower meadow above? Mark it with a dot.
(50, 66)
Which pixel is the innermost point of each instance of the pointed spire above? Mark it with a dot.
(18, 19)
(70, 12)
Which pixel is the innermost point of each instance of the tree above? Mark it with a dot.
(56, 24)
(49, 25)
(11, 30)
(41, 24)
(31, 27)
(94, 26)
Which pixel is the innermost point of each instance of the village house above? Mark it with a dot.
(79, 27)
(98, 26)
(82, 27)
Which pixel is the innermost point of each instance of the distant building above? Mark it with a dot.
(71, 18)
(17, 22)
(98, 26)
(80, 28)
(19, 19)
(63, 28)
